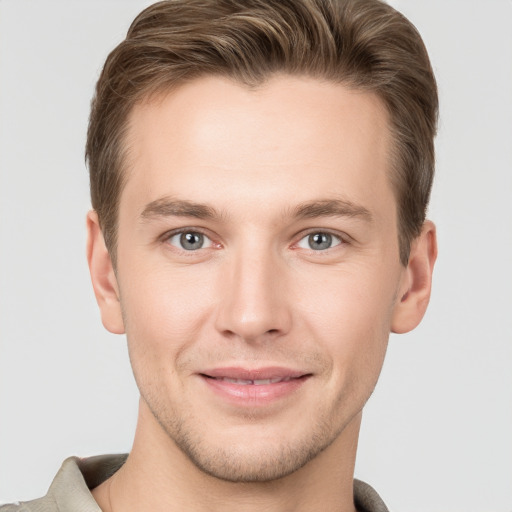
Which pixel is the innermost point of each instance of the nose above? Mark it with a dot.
(253, 305)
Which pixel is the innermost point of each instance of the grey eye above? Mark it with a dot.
(190, 240)
(319, 241)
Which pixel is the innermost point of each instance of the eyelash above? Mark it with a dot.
(178, 232)
(334, 236)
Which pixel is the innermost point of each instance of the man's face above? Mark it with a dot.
(258, 267)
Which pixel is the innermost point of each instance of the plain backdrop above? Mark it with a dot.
(437, 433)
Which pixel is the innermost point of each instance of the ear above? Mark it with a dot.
(103, 277)
(414, 293)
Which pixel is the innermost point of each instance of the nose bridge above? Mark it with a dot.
(254, 302)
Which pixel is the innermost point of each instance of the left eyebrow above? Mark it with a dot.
(166, 207)
(331, 208)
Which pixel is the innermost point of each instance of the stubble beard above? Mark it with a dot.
(236, 464)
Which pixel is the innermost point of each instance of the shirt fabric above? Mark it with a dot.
(70, 489)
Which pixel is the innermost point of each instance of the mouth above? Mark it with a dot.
(254, 387)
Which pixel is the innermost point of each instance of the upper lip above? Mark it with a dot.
(263, 373)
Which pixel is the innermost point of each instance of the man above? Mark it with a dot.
(260, 173)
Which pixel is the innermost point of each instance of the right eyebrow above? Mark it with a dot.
(332, 208)
(167, 207)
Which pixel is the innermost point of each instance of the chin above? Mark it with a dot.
(249, 457)
(232, 465)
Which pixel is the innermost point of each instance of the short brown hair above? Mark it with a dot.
(364, 44)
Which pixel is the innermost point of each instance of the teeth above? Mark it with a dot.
(256, 382)
(237, 381)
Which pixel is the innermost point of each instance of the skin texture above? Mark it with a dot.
(265, 169)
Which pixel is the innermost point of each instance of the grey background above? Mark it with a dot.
(437, 434)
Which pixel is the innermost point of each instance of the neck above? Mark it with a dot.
(158, 476)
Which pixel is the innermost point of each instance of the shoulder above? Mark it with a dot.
(366, 498)
(70, 489)
(45, 504)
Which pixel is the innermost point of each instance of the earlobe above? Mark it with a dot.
(414, 293)
(103, 277)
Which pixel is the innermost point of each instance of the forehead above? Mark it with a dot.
(288, 138)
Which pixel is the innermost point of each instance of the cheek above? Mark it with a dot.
(164, 311)
(350, 313)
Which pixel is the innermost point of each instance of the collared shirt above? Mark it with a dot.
(70, 489)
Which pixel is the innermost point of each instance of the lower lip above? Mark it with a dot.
(253, 394)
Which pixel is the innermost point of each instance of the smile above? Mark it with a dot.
(259, 387)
